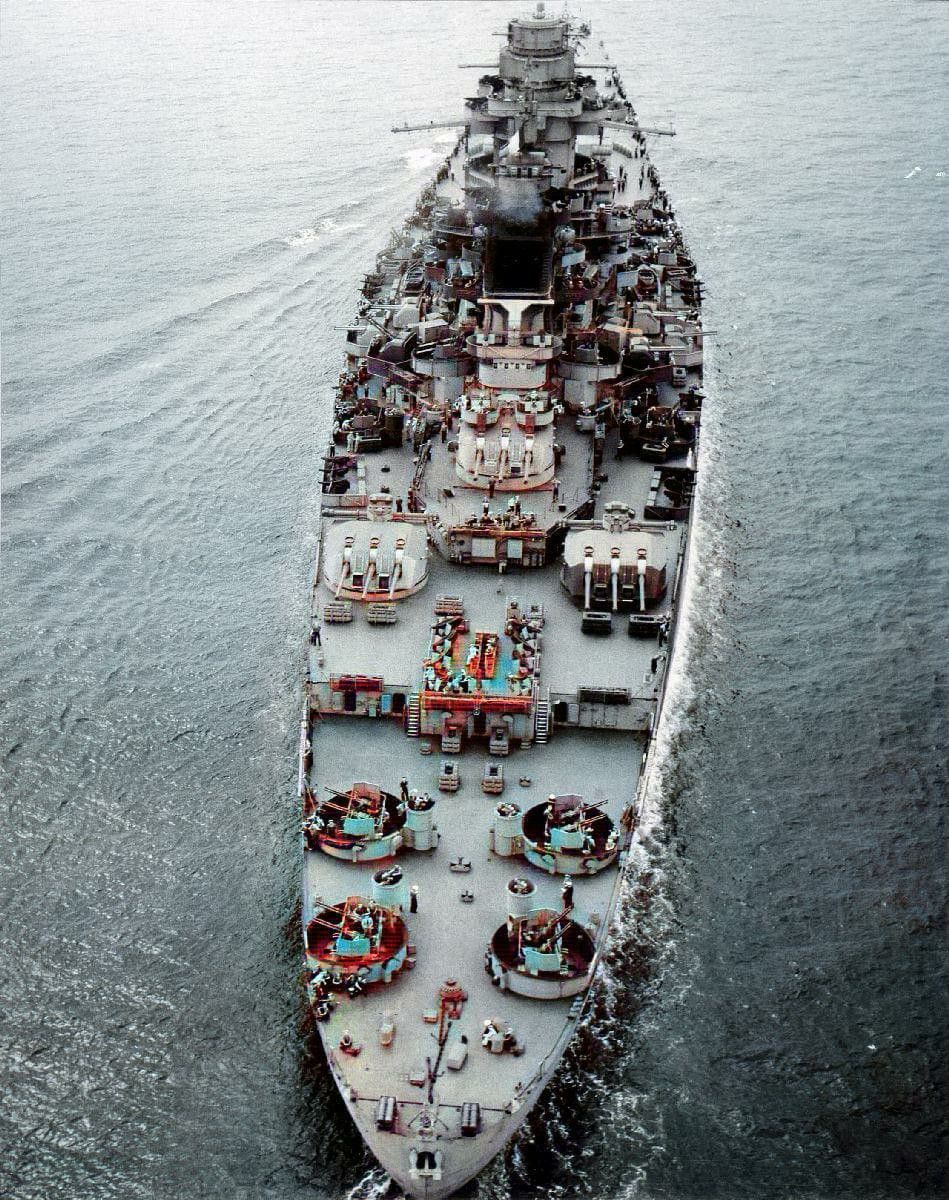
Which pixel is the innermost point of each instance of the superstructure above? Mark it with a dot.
(504, 536)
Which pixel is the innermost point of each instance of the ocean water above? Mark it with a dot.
(191, 196)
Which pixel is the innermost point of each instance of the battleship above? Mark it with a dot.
(504, 536)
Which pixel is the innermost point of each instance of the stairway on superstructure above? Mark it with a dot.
(542, 722)
(413, 723)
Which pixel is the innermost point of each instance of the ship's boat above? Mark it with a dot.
(506, 507)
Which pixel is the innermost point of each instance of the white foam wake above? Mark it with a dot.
(327, 228)
(374, 1185)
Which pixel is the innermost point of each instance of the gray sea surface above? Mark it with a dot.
(191, 196)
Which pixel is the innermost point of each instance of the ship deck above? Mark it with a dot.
(595, 750)
(570, 660)
(451, 935)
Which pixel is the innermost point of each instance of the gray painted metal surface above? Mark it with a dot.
(561, 403)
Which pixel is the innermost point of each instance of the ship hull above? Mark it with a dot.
(505, 538)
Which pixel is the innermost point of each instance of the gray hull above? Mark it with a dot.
(504, 538)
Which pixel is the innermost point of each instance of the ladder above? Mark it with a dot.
(413, 724)
(542, 721)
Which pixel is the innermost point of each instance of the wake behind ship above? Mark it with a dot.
(504, 536)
